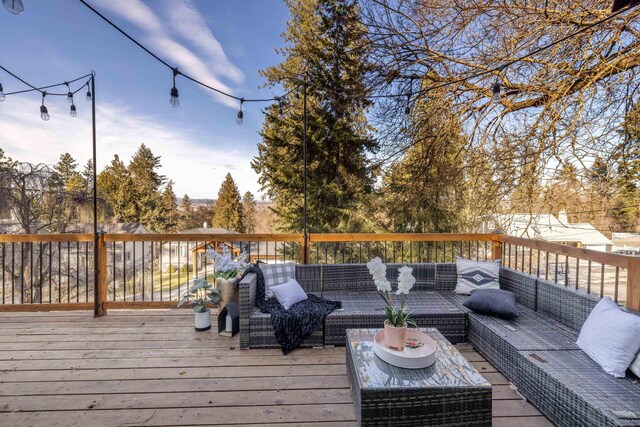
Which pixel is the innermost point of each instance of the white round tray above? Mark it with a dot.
(419, 358)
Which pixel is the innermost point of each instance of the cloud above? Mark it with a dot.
(186, 21)
(120, 131)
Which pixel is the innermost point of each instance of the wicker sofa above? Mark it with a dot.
(536, 351)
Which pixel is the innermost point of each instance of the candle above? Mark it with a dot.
(228, 325)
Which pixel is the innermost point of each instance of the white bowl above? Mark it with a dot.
(419, 358)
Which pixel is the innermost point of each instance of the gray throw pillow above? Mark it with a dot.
(492, 302)
(289, 293)
(476, 275)
(276, 274)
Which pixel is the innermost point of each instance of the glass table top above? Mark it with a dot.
(451, 369)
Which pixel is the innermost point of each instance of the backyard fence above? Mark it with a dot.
(56, 272)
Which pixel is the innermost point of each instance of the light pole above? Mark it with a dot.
(96, 237)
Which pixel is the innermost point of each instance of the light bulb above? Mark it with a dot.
(44, 113)
(497, 97)
(175, 100)
(73, 112)
(240, 118)
(2, 97)
(407, 111)
(14, 6)
(70, 98)
(89, 97)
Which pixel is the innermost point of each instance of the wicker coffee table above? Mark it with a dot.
(450, 392)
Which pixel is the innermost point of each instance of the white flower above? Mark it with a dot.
(405, 280)
(378, 271)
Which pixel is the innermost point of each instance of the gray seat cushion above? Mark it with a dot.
(555, 378)
(501, 341)
(366, 310)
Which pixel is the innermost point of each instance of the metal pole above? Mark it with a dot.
(96, 304)
(304, 155)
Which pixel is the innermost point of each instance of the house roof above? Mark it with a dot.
(215, 230)
(548, 227)
(111, 227)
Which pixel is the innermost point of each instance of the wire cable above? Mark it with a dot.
(166, 64)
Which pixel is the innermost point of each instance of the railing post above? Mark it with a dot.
(306, 248)
(101, 288)
(496, 247)
(633, 283)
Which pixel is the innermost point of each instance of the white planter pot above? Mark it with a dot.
(203, 321)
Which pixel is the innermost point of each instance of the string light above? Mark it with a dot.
(496, 98)
(73, 112)
(69, 94)
(2, 97)
(14, 6)
(174, 101)
(44, 113)
(407, 109)
(240, 117)
(89, 96)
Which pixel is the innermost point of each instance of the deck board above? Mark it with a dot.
(151, 368)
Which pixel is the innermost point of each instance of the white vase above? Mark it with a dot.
(203, 320)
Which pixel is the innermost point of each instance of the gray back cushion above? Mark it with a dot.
(425, 274)
(521, 284)
(446, 276)
(346, 277)
(566, 305)
(309, 276)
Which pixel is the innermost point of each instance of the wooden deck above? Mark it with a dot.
(135, 368)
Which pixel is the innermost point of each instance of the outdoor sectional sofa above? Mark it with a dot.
(537, 351)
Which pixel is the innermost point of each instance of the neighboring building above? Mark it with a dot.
(626, 243)
(180, 254)
(551, 229)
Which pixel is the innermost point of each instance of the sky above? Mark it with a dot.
(223, 43)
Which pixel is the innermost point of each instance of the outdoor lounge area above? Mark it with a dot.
(140, 362)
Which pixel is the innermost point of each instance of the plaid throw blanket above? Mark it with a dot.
(292, 326)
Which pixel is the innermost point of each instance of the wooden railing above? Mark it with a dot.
(56, 272)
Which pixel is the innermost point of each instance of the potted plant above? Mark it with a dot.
(201, 296)
(397, 321)
(227, 269)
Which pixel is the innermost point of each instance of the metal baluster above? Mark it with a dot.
(530, 259)
(30, 272)
(577, 273)
(86, 271)
(124, 271)
(134, 269)
(546, 269)
(615, 295)
(602, 281)
(566, 270)
(77, 271)
(40, 281)
(589, 277)
(152, 262)
(555, 277)
(59, 272)
(115, 269)
(538, 264)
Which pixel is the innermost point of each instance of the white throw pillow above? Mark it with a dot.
(289, 293)
(635, 366)
(276, 274)
(476, 275)
(610, 337)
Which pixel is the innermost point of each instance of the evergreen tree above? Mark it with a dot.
(228, 210)
(87, 177)
(67, 174)
(424, 191)
(186, 213)
(170, 208)
(146, 183)
(116, 187)
(326, 49)
(249, 212)
(627, 160)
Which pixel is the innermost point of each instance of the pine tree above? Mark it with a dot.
(627, 159)
(186, 213)
(249, 212)
(87, 177)
(228, 209)
(424, 191)
(67, 174)
(327, 49)
(146, 182)
(170, 208)
(116, 188)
